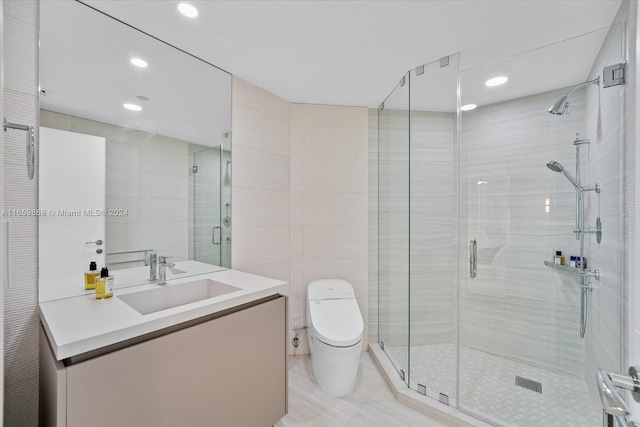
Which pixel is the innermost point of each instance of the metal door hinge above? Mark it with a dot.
(444, 399)
(444, 61)
(422, 389)
(420, 70)
(613, 75)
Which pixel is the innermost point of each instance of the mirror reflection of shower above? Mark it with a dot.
(562, 106)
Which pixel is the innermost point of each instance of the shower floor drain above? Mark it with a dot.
(529, 384)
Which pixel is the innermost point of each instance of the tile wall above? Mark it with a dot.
(373, 226)
(329, 201)
(20, 311)
(299, 194)
(516, 307)
(148, 175)
(260, 186)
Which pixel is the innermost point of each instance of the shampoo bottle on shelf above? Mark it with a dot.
(104, 285)
(90, 276)
(558, 258)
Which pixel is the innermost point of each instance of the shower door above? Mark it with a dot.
(521, 358)
(393, 227)
(207, 210)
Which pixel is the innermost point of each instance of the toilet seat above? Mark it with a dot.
(337, 322)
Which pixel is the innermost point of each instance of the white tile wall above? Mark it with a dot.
(147, 174)
(299, 193)
(329, 201)
(373, 226)
(260, 186)
(516, 307)
(20, 105)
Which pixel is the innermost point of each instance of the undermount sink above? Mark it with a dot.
(169, 296)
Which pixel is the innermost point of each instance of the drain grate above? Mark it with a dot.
(529, 384)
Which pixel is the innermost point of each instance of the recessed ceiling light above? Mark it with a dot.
(468, 107)
(496, 81)
(187, 10)
(132, 107)
(139, 62)
(142, 98)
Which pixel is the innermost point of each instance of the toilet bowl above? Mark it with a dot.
(335, 335)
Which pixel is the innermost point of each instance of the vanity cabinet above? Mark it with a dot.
(225, 371)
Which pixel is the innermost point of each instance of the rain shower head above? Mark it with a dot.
(561, 106)
(557, 167)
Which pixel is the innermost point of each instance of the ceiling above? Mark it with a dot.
(355, 52)
(85, 72)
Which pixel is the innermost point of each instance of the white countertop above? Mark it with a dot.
(80, 324)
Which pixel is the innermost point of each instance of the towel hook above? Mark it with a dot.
(31, 142)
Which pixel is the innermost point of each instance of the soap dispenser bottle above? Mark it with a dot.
(104, 285)
(90, 276)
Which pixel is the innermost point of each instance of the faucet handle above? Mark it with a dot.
(163, 258)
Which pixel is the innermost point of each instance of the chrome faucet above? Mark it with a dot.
(151, 259)
(162, 269)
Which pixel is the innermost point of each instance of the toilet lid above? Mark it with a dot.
(337, 322)
(329, 289)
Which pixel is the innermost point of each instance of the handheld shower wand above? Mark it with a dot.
(557, 167)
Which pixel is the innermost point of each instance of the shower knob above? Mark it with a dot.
(98, 251)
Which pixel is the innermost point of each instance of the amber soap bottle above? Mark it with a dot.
(104, 285)
(90, 276)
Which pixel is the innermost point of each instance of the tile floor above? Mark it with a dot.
(371, 403)
(488, 387)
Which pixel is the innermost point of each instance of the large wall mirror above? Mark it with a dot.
(135, 153)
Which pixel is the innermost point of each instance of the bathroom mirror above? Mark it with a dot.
(164, 119)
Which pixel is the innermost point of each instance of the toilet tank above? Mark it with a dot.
(323, 289)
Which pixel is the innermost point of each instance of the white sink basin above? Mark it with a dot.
(169, 296)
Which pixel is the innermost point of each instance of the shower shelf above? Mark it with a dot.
(566, 272)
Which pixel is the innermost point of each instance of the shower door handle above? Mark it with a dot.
(612, 401)
(213, 235)
(473, 258)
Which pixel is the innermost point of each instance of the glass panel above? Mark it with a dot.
(393, 226)
(433, 223)
(520, 317)
(206, 225)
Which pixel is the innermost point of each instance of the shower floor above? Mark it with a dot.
(487, 387)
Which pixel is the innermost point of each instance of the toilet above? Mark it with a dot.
(335, 335)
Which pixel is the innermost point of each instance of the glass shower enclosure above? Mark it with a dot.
(472, 310)
(210, 205)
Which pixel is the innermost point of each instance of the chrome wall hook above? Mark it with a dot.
(31, 143)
